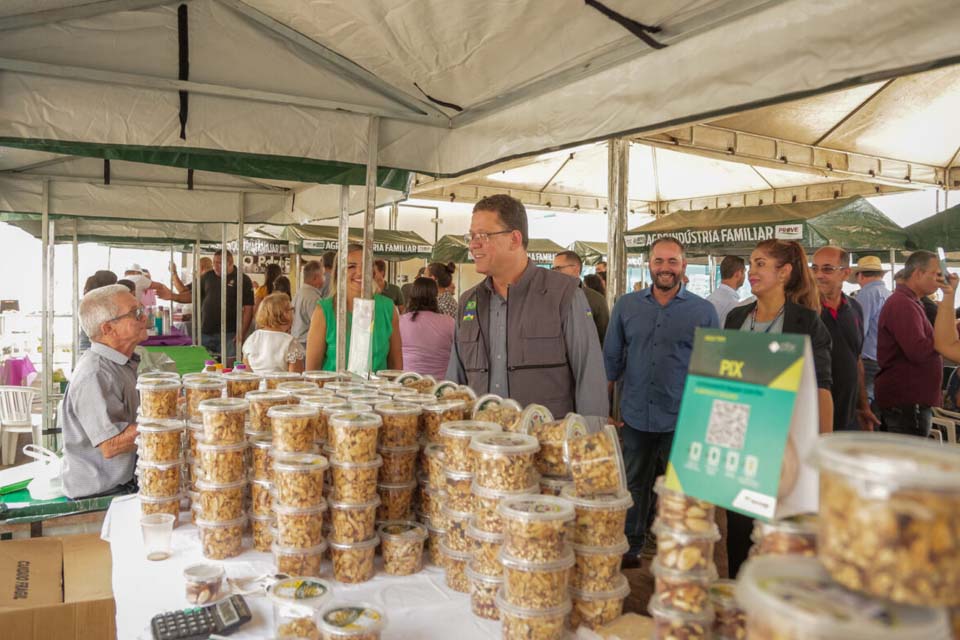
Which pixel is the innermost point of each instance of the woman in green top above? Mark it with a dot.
(322, 337)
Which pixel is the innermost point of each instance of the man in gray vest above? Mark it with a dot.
(524, 332)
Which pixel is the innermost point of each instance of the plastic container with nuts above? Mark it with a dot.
(160, 479)
(454, 565)
(196, 389)
(400, 423)
(683, 550)
(396, 500)
(222, 462)
(341, 386)
(679, 625)
(522, 623)
(271, 379)
(599, 520)
(239, 383)
(595, 459)
(438, 412)
(194, 437)
(423, 384)
(456, 436)
(355, 481)
(221, 540)
(203, 583)
(790, 536)
(260, 404)
(223, 420)
(504, 461)
(399, 463)
(890, 516)
(261, 457)
(353, 436)
(263, 528)
(486, 514)
(793, 598)
(293, 387)
(730, 622)
(320, 378)
(687, 591)
(159, 397)
(554, 486)
(485, 547)
(327, 406)
(432, 463)
(297, 601)
(300, 527)
(221, 501)
(455, 525)
(483, 592)
(435, 536)
(354, 522)
(353, 561)
(597, 568)
(401, 544)
(431, 501)
(353, 621)
(171, 505)
(296, 561)
(535, 527)
(457, 486)
(160, 440)
(681, 512)
(390, 374)
(537, 585)
(552, 435)
(363, 396)
(493, 408)
(299, 478)
(593, 609)
(294, 427)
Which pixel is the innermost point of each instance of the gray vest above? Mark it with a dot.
(537, 367)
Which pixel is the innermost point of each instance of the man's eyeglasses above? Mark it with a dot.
(828, 269)
(482, 238)
(137, 314)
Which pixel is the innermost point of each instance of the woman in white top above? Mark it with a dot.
(272, 348)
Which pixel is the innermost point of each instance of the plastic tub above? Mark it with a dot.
(682, 512)
(159, 397)
(159, 479)
(160, 440)
(522, 623)
(455, 524)
(552, 436)
(504, 461)
(299, 478)
(431, 500)
(353, 621)
(454, 565)
(597, 568)
(401, 422)
(222, 462)
(389, 374)
(401, 544)
(436, 413)
(730, 622)
(260, 404)
(294, 427)
(326, 405)
(295, 561)
(293, 387)
(296, 603)
(687, 591)
(273, 378)
(485, 547)
(673, 623)
(685, 551)
(354, 522)
(456, 436)
(194, 437)
(595, 459)
(263, 528)
(790, 536)
(203, 583)
(261, 456)
(483, 592)
(554, 486)
(170, 505)
(240, 383)
(221, 502)
(535, 527)
(599, 520)
(396, 500)
(435, 536)
(487, 504)
(199, 388)
(432, 462)
(353, 436)
(593, 609)
(793, 598)
(355, 481)
(536, 585)
(904, 491)
(399, 463)
(493, 408)
(422, 384)
(320, 378)
(456, 484)
(221, 540)
(300, 527)
(353, 561)
(364, 396)
(223, 420)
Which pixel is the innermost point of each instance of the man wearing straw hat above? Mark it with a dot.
(873, 293)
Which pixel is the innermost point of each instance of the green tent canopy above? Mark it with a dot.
(590, 252)
(851, 223)
(389, 245)
(452, 248)
(940, 230)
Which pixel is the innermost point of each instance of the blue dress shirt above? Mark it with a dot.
(871, 298)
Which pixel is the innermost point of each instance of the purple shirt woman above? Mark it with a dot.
(426, 334)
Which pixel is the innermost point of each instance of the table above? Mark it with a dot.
(175, 338)
(17, 372)
(188, 359)
(418, 607)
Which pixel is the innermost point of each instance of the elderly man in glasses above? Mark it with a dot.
(98, 413)
(843, 317)
(524, 332)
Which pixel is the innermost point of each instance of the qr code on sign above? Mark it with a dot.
(728, 424)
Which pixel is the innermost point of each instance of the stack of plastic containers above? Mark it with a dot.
(161, 463)
(398, 445)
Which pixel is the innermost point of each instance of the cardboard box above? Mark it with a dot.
(56, 589)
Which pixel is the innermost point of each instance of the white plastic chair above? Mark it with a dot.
(948, 428)
(15, 403)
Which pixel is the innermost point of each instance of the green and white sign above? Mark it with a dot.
(748, 419)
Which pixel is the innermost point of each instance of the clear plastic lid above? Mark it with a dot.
(355, 420)
(269, 517)
(280, 375)
(222, 448)
(389, 374)
(393, 408)
(299, 462)
(494, 494)
(620, 589)
(153, 500)
(567, 560)
(457, 475)
(439, 406)
(260, 440)
(210, 524)
(590, 550)
(270, 395)
(559, 611)
(203, 572)
(344, 620)
(376, 462)
(459, 516)
(433, 450)
(467, 428)
(206, 485)
(462, 556)
(304, 592)
(242, 376)
(223, 405)
(402, 531)
(658, 609)
(662, 531)
(341, 385)
(267, 485)
(160, 375)
(889, 459)
(279, 550)
(574, 428)
(723, 595)
(320, 376)
(485, 536)
(601, 501)
(533, 415)
(293, 411)
(507, 444)
(355, 546)
(804, 525)
(349, 407)
(706, 575)
(313, 394)
(473, 574)
(397, 450)
(159, 425)
(320, 507)
(389, 388)
(396, 486)
(170, 464)
(325, 403)
(355, 506)
(206, 382)
(444, 387)
(297, 386)
(797, 595)
(535, 508)
(555, 483)
(157, 384)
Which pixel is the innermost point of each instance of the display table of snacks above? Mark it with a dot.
(418, 606)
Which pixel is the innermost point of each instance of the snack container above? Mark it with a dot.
(295, 561)
(296, 603)
(483, 592)
(455, 524)
(294, 427)
(363, 396)
(889, 516)
(389, 374)
(673, 623)
(504, 461)
(354, 522)
(493, 408)
(239, 383)
(353, 621)
(224, 420)
(600, 519)
(221, 501)
(456, 436)
(454, 565)
(261, 456)
(554, 486)
(293, 387)
(681, 512)
(685, 551)
(320, 378)
(399, 464)
(422, 384)
(435, 536)
(396, 500)
(158, 397)
(196, 389)
(535, 527)
(355, 481)
(264, 529)
(271, 379)
(597, 568)
(531, 417)
(160, 440)
(307, 396)
(401, 544)
(222, 462)
(203, 583)
(299, 478)
(353, 561)
(261, 497)
(432, 461)
(221, 540)
(789, 536)
(485, 547)
(593, 609)
(552, 435)
(524, 623)
(353, 436)
(537, 585)
(326, 405)
(300, 527)
(729, 623)
(160, 479)
(487, 506)
(793, 598)
(595, 459)
(170, 505)
(457, 486)
(687, 591)
(162, 375)
(401, 422)
(194, 434)
(437, 412)
(260, 404)
(431, 500)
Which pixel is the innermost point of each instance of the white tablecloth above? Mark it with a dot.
(418, 607)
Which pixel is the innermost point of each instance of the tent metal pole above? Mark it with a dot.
(223, 294)
(370, 211)
(46, 337)
(239, 266)
(340, 286)
(711, 270)
(173, 262)
(195, 294)
(75, 298)
(392, 225)
(297, 273)
(618, 164)
(893, 268)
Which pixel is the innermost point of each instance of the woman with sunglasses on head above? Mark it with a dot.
(322, 337)
(787, 301)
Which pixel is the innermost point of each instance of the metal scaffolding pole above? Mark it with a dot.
(46, 333)
(369, 213)
(195, 294)
(618, 168)
(75, 299)
(239, 267)
(223, 294)
(392, 225)
(341, 283)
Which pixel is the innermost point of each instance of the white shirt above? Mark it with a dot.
(724, 298)
(267, 350)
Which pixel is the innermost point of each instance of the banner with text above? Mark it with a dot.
(744, 237)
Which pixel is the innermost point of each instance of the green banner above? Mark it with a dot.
(744, 236)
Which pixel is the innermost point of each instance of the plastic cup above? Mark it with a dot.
(157, 529)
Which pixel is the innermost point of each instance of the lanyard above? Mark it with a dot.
(753, 320)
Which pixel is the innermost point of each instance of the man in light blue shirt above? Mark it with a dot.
(733, 272)
(873, 293)
(647, 350)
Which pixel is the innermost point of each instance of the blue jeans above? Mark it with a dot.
(870, 370)
(212, 344)
(645, 453)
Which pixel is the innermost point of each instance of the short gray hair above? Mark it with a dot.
(311, 269)
(917, 260)
(99, 306)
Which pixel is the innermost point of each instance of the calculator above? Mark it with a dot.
(198, 623)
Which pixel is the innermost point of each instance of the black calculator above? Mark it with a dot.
(198, 623)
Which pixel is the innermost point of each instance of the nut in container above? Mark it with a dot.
(487, 504)
(271, 379)
(597, 568)
(320, 378)
(400, 423)
(261, 456)
(493, 408)
(295, 561)
(296, 604)
(222, 462)
(485, 547)
(293, 387)
(159, 479)
(457, 486)
(454, 565)
(483, 592)
(399, 463)
(354, 621)
(595, 459)
(432, 461)
(200, 388)
(454, 524)
(594, 609)
(687, 591)
(437, 413)
(159, 398)
(683, 550)
(299, 479)
(535, 527)
(203, 583)
(159, 440)
(396, 500)
(300, 527)
(673, 624)
(221, 540)
(260, 404)
(681, 512)
(353, 436)
(504, 461)
(239, 383)
(599, 519)
(401, 543)
(353, 561)
(790, 536)
(536, 585)
(730, 622)
(294, 427)
(263, 528)
(171, 505)
(354, 522)
(327, 406)
(221, 502)
(355, 481)
(526, 623)
(456, 437)
(224, 420)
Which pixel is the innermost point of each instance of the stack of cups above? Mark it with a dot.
(221, 482)
(355, 465)
(534, 600)
(160, 480)
(260, 438)
(431, 497)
